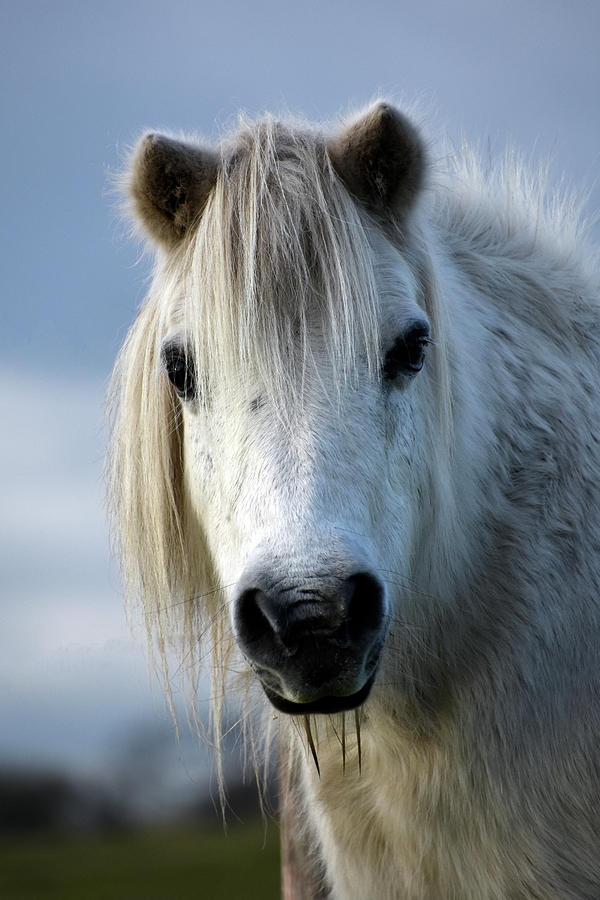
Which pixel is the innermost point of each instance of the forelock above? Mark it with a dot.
(281, 253)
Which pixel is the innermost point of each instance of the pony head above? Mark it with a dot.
(270, 444)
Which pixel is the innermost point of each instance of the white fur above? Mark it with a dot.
(472, 490)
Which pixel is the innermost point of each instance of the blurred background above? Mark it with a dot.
(97, 797)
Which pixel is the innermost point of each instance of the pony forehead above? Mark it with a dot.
(277, 188)
(280, 250)
(283, 194)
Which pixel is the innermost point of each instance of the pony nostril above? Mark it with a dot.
(263, 621)
(252, 619)
(364, 605)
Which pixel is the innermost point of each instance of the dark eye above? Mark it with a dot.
(179, 366)
(407, 355)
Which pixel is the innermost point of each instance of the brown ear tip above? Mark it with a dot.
(155, 146)
(392, 120)
(386, 114)
(151, 145)
(149, 141)
(385, 110)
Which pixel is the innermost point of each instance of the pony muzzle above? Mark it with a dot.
(314, 643)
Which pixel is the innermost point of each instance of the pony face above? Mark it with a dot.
(281, 351)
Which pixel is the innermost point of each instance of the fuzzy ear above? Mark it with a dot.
(169, 184)
(381, 160)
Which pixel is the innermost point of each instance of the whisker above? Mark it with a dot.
(194, 598)
(311, 744)
(296, 727)
(358, 744)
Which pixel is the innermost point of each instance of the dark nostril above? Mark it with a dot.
(252, 619)
(364, 605)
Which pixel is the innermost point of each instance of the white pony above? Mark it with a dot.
(356, 446)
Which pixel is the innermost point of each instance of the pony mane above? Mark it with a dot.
(280, 249)
(510, 209)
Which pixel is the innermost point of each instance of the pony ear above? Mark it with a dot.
(169, 184)
(381, 160)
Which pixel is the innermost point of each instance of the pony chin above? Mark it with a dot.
(326, 705)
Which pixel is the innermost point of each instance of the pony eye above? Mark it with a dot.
(179, 366)
(407, 355)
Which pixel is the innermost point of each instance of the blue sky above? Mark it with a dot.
(80, 81)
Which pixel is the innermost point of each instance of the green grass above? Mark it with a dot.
(162, 864)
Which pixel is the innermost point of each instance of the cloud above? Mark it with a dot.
(71, 674)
